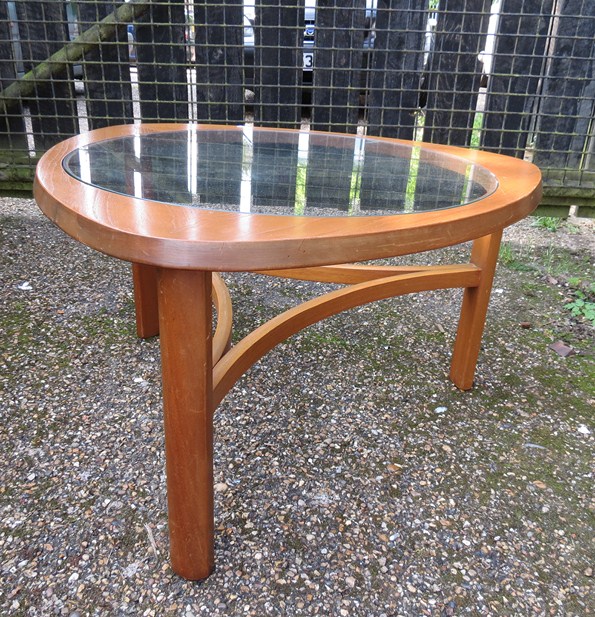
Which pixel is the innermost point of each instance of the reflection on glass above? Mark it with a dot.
(280, 172)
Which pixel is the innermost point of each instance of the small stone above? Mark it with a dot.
(350, 581)
(588, 572)
(539, 484)
(534, 445)
(131, 570)
(73, 577)
(440, 409)
(220, 487)
(562, 349)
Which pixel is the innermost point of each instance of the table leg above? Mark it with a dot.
(473, 312)
(185, 316)
(145, 300)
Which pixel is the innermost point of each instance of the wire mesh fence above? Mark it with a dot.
(504, 75)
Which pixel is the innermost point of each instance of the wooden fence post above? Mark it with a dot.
(106, 70)
(396, 68)
(162, 62)
(567, 108)
(43, 30)
(518, 63)
(454, 72)
(12, 125)
(278, 63)
(219, 61)
(338, 55)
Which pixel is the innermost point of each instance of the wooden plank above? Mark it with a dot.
(564, 188)
(219, 61)
(586, 211)
(567, 107)
(338, 55)
(396, 68)
(43, 30)
(455, 72)
(547, 209)
(517, 66)
(106, 70)
(590, 160)
(12, 125)
(161, 62)
(278, 60)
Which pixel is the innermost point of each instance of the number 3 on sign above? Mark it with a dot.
(308, 61)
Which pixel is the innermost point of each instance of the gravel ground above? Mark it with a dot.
(351, 477)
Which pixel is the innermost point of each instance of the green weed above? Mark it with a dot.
(513, 261)
(551, 223)
(582, 306)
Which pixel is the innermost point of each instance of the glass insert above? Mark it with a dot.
(280, 172)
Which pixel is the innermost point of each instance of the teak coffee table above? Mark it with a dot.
(184, 202)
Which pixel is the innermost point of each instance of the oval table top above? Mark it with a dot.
(227, 198)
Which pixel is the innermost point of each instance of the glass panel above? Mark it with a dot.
(280, 172)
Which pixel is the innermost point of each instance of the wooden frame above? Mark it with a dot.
(176, 253)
